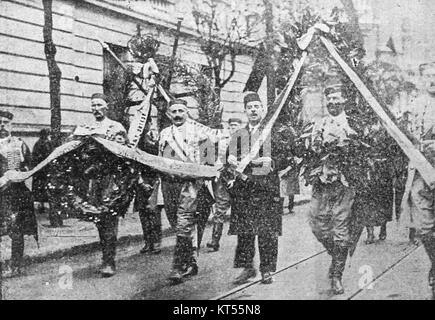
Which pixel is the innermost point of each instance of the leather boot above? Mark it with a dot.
(176, 275)
(157, 248)
(383, 232)
(146, 248)
(17, 254)
(216, 236)
(328, 243)
(412, 237)
(370, 235)
(191, 264)
(339, 262)
(247, 273)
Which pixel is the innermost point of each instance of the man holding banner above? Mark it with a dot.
(183, 141)
(256, 206)
(17, 217)
(108, 225)
(332, 198)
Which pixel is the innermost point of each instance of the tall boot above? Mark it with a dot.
(339, 264)
(429, 245)
(383, 232)
(215, 236)
(328, 244)
(370, 235)
(190, 260)
(17, 253)
(176, 274)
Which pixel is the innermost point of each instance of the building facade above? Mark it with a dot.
(77, 27)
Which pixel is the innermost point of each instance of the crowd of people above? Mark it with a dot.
(254, 193)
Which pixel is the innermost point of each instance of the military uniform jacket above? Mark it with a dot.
(16, 202)
(256, 206)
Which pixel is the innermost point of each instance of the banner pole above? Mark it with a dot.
(268, 127)
(416, 157)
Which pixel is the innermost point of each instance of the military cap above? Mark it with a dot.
(100, 96)
(6, 114)
(177, 101)
(334, 87)
(251, 96)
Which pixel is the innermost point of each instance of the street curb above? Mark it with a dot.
(123, 241)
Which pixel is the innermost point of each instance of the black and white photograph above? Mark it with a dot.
(233, 151)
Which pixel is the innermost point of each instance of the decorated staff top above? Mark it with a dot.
(143, 47)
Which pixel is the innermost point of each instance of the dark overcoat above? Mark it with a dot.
(256, 205)
(41, 150)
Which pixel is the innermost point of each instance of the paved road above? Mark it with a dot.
(144, 277)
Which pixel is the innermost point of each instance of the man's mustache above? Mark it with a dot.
(178, 118)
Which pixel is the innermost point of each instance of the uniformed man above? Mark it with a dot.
(332, 199)
(101, 125)
(222, 197)
(107, 227)
(420, 196)
(182, 141)
(16, 203)
(256, 205)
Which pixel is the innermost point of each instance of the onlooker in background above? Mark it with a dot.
(234, 124)
(222, 197)
(148, 209)
(42, 149)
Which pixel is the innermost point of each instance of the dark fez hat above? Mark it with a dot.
(6, 114)
(177, 101)
(251, 96)
(100, 96)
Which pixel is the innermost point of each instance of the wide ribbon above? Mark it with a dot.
(168, 166)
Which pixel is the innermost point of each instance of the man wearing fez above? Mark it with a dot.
(256, 206)
(182, 141)
(16, 203)
(420, 199)
(108, 225)
(222, 197)
(101, 125)
(332, 199)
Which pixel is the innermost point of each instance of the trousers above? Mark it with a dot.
(108, 232)
(267, 247)
(422, 206)
(330, 211)
(151, 221)
(222, 201)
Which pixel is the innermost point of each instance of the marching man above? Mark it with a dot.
(332, 199)
(16, 203)
(256, 205)
(420, 198)
(108, 225)
(182, 141)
